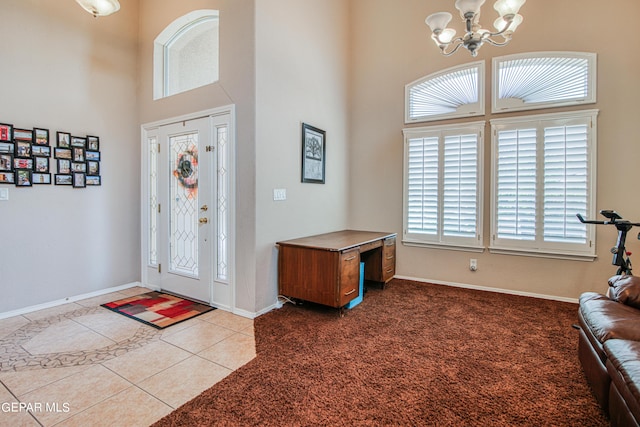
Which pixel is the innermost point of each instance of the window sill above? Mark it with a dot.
(542, 254)
(445, 246)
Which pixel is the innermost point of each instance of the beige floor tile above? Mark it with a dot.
(197, 337)
(111, 325)
(227, 320)
(65, 336)
(184, 381)
(147, 361)
(53, 311)
(76, 393)
(12, 414)
(11, 324)
(232, 352)
(101, 299)
(136, 290)
(23, 382)
(131, 407)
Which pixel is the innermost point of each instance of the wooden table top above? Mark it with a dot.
(338, 240)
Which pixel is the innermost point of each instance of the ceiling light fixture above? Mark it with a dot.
(475, 36)
(100, 7)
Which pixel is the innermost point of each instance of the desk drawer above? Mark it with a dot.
(349, 285)
(389, 252)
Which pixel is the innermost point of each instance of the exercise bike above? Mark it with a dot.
(620, 254)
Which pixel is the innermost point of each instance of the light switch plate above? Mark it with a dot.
(279, 194)
(4, 194)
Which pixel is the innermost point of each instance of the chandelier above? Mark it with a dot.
(100, 7)
(475, 36)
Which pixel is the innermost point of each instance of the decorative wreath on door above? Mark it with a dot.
(187, 170)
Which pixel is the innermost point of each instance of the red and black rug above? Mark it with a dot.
(158, 309)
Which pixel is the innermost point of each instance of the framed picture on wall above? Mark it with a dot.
(78, 154)
(41, 151)
(93, 168)
(6, 132)
(23, 178)
(41, 178)
(93, 180)
(41, 164)
(40, 136)
(78, 167)
(79, 180)
(62, 153)
(7, 178)
(23, 135)
(6, 162)
(7, 147)
(64, 166)
(93, 155)
(23, 149)
(93, 143)
(63, 179)
(19, 163)
(313, 154)
(78, 141)
(64, 139)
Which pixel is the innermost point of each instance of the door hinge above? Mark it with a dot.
(159, 268)
(209, 148)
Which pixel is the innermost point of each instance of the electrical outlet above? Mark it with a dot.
(473, 264)
(4, 194)
(279, 194)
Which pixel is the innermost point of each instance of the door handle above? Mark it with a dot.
(204, 208)
(203, 220)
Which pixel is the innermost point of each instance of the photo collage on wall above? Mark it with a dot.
(26, 158)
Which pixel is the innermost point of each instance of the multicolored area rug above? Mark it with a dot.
(158, 309)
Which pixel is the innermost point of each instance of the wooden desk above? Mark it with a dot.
(325, 268)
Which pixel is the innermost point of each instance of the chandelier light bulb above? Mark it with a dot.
(508, 7)
(469, 6)
(100, 7)
(501, 24)
(438, 21)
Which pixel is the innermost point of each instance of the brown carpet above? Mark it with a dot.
(412, 354)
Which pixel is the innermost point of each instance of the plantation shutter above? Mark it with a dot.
(422, 185)
(516, 189)
(460, 185)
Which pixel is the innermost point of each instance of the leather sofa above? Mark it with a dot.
(609, 348)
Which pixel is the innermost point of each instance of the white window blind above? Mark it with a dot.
(442, 182)
(544, 174)
(454, 92)
(542, 80)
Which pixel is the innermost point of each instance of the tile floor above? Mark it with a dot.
(82, 365)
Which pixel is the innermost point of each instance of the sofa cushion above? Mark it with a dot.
(608, 319)
(625, 289)
(623, 364)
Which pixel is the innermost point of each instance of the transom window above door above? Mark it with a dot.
(186, 54)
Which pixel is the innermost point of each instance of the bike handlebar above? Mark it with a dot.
(615, 220)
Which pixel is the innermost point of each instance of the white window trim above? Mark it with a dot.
(499, 105)
(438, 241)
(557, 251)
(467, 110)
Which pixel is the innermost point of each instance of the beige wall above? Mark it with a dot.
(302, 76)
(391, 47)
(235, 86)
(64, 70)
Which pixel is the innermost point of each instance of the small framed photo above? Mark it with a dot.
(78, 167)
(41, 164)
(78, 154)
(23, 178)
(92, 155)
(6, 132)
(63, 179)
(64, 166)
(94, 180)
(41, 151)
(23, 149)
(62, 153)
(41, 178)
(7, 147)
(19, 163)
(7, 178)
(40, 136)
(313, 154)
(23, 135)
(93, 168)
(6, 162)
(79, 180)
(64, 139)
(93, 143)
(78, 141)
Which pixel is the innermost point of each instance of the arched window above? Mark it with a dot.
(186, 54)
(543, 79)
(454, 92)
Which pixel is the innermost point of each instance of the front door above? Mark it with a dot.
(187, 215)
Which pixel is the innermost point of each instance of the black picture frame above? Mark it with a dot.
(64, 166)
(78, 167)
(6, 162)
(7, 177)
(63, 179)
(38, 178)
(40, 136)
(23, 163)
(92, 155)
(7, 147)
(78, 154)
(314, 150)
(79, 180)
(93, 168)
(63, 139)
(93, 143)
(62, 153)
(22, 149)
(24, 178)
(93, 180)
(41, 165)
(6, 132)
(20, 134)
(79, 141)
(40, 150)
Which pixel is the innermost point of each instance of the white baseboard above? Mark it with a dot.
(490, 289)
(67, 300)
